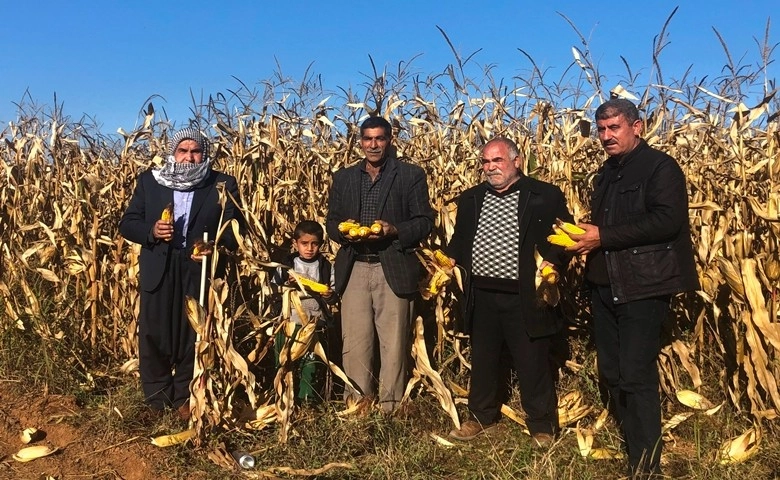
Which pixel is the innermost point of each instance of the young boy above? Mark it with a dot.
(307, 261)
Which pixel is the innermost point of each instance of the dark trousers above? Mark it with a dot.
(628, 341)
(497, 322)
(166, 342)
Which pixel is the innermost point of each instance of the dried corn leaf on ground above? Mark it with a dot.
(69, 284)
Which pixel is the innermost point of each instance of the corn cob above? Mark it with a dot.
(310, 284)
(199, 247)
(442, 259)
(344, 227)
(364, 231)
(173, 439)
(31, 453)
(376, 228)
(569, 228)
(549, 274)
(353, 232)
(438, 280)
(561, 239)
(167, 214)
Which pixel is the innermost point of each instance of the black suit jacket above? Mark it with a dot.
(538, 206)
(403, 202)
(147, 203)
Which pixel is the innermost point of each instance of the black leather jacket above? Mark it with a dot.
(640, 203)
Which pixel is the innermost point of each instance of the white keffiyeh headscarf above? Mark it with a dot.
(184, 176)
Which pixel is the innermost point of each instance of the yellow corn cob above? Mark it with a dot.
(31, 453)
(442, 259)
(438, 280)
(310, 284)
(173, 439)
(353, 232)
(549, 274)
(199, 247)
(376, 228)
(364, 231)
(167, 214)
(345, 227)
(561, 239)
(569, 227)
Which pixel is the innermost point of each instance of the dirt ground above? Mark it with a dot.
(83, 449)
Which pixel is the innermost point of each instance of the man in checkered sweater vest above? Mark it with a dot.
(499, 224)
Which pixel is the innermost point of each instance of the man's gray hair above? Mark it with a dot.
(616, 107)
(509, 144)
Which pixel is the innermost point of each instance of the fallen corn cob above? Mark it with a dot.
(173, 439)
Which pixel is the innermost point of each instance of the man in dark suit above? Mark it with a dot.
(499, 224)
(377, 277)
(169, 271)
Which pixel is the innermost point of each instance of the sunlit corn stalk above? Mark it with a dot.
(63, 191)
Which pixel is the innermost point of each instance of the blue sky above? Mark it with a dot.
(105, 58)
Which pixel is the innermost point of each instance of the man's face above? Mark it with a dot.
(500, 170)
(308, 246)
(188, 151)
(617, 136)
(374, 143)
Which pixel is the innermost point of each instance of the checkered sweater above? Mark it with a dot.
(496, 244)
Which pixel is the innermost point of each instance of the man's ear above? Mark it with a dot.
(638, 126)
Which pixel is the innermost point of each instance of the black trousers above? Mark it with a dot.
(498, 322)
(166, 341)
(628, 341)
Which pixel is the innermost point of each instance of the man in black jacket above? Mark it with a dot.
(499, 224)
(169, 269)
(639, 254)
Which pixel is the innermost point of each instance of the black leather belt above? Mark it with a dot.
(367, 257)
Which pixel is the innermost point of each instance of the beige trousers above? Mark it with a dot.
(375, 320)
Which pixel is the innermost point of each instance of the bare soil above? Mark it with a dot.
(84, 448)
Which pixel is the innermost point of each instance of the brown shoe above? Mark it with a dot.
(184, 411)
(543, 441)
(470, 429)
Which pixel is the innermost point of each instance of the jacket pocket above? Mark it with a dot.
(631, 199)
(653, 265)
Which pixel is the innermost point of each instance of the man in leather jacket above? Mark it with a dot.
(639, 254)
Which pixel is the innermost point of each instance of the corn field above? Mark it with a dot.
(68, 277)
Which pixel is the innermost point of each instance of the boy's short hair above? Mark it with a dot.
(308, 226)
